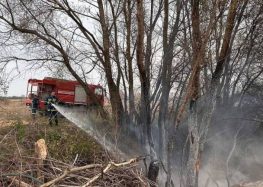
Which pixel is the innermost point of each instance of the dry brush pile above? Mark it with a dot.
(68, 157)
(41, 170)
(53, 172)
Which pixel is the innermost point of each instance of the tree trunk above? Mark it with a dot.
(168, 50)
(127, 14)
(115, 98)
(193, 94)
(215, 82)
(193, 163)
(145, 83)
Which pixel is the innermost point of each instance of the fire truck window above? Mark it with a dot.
(45, 91)
(34, 89)
(98, 91)
(48, 88)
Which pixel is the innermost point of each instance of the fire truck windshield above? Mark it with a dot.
(32, 90)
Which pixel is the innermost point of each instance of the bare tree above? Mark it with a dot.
(165, 63)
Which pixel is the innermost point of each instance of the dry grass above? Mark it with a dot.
(67, 146)
(65, 141)
(11, 111)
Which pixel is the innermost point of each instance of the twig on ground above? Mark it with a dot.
(18, 182)
(8, 175)
(7, 135)
(68, 171)
(75, 160)
(109, 166)
(20, 156)
(249, 184)
(140, 179)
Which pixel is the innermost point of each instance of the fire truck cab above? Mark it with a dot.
(67, 91)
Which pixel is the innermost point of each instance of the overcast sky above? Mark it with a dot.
(20, 73)
(19, 85)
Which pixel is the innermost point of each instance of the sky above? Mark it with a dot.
(18, 85)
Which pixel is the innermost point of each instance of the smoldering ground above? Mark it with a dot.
(232, 153)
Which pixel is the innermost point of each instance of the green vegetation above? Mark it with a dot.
(65, 142)
(20, 130)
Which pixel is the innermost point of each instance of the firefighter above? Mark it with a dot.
(34, 106)
(52, 112)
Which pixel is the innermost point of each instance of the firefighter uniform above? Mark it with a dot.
(52, 112)
(34, 106)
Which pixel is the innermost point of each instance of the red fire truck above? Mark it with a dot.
(67, 91)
